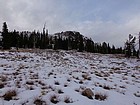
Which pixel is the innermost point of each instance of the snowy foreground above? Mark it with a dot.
(59, 77)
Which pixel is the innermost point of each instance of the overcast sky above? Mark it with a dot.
(102, 20)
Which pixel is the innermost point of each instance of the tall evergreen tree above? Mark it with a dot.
(104, 48)
(113, 50)
(6, 38)
(55, 43)
(81, 45)
(109, 49)
(21, 40)
(14, 39)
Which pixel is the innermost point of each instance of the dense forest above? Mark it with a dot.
(69, 40)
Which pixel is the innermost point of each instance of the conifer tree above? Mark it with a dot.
(113, 50)
(109, 49)
(81, 45)
(6, 38)
(55, 43)
(104, 48)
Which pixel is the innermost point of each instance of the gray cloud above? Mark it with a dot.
(99, 20)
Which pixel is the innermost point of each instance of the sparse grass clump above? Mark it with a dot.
(86, 77)
(1, 85)
(54, 99)
(80, 82)
(123, 86)
(30, 82)
(56, 83)
(98, 74)
(30, 87)
(65, 85)
(9, 95)
(3, 78)
(17, 83)
(77, 90)
(137, 94)
(100, 96)
(60, 91)
(41, 83)
(68, 80)
(49, 74)
(107, 87)
(39, 101)
(35, 76)
(67, 100)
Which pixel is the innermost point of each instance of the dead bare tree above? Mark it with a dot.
(130, 46)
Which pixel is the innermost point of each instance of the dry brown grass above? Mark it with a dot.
(1, 85)
(98, 74)
(68, 79)
(30, 82)
(60, 91)
(41, 83)
(66, 85)
(56, 83)
(9, 95)
(86, 76)
(30, 87)
(107, 87)
(3, 78)
(68, 100)
(54, 99)
(39, 101)
(100, 96)
(50, 73)
(137, 94)
(81, 82)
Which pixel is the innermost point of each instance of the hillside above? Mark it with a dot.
(49, 77)
(70, 34)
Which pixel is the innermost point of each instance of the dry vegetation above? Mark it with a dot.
(100, 96)
(68, 100)
(10, 94)
(58, 75)
(54, 99)
(39, 101)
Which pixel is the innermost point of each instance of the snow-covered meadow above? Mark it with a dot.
(47, 77)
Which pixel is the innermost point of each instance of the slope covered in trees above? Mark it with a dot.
(69, 40)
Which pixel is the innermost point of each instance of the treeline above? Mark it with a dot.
(68, 40)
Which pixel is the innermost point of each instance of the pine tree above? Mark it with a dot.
(104, 48)
(89, 47)
(81, 45)
(55, 43)
(14, 39)
(113, 50)
(65, 44)
(21, 40)
(6, 38)
(0, 40)
(109, 49)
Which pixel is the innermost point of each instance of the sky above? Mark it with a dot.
(108, 21)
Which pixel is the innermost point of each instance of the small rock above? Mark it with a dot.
(88, 93)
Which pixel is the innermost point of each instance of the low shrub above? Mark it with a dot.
(39, 101)
(67, 100)
(1, 85)
(9, 95)
(100, 96)
(60, 91)
(54, 99)
(56, 83)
